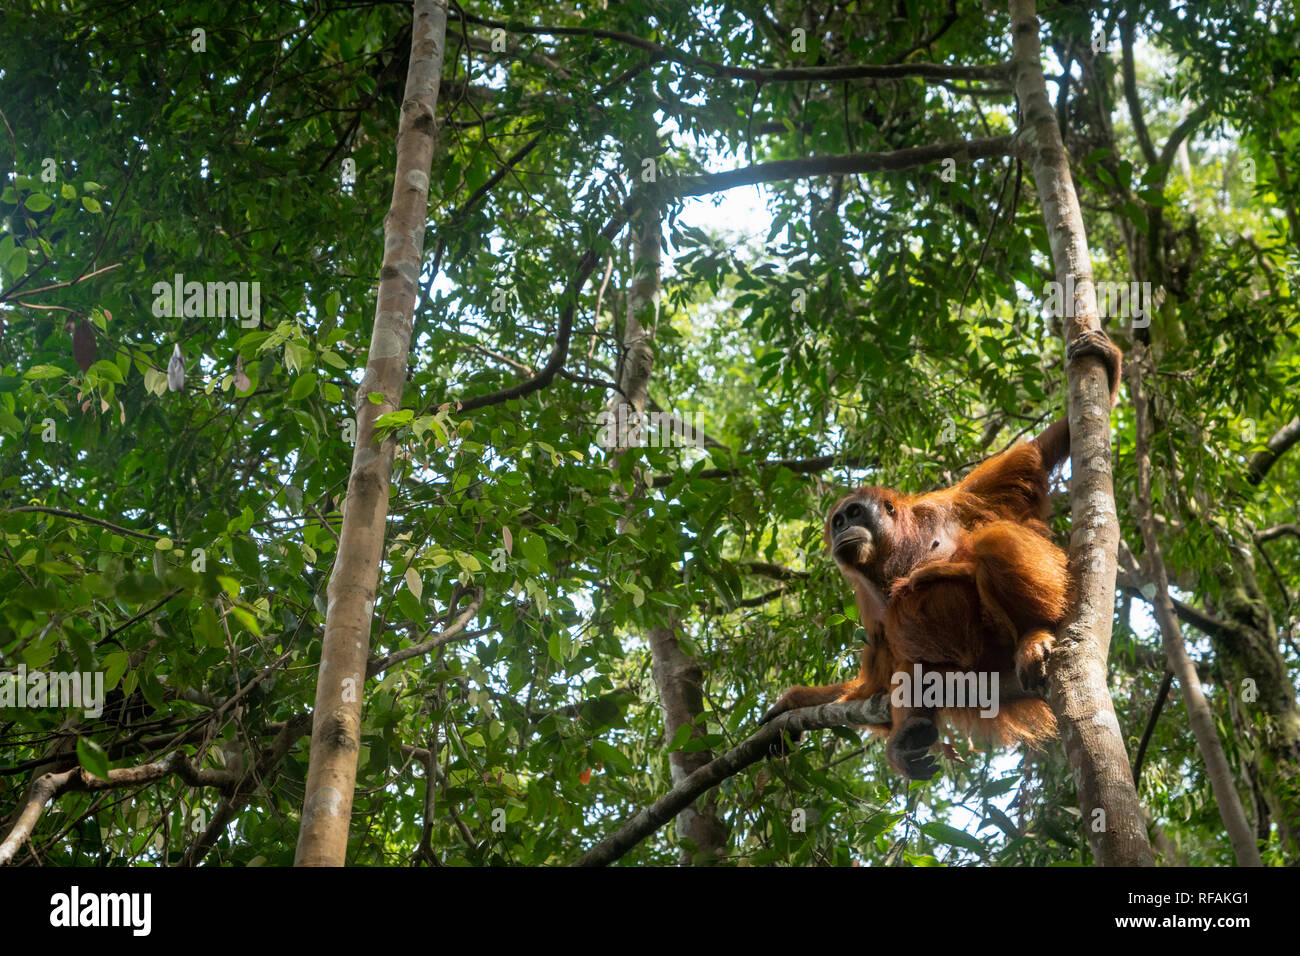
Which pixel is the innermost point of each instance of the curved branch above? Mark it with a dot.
(1277, 446)
(448, 634)
(963, 150)
(293, 730)
(1194, 617)
(853, 71)
(800, 466)
(1181, 132)
(77, 516)
(560, 351)
(874, 710)
(1161, 696)
(848, 163)
(49, 786)
(778, 571)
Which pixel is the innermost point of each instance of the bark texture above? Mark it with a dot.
(1090, 731)
(677, 676)
(336, 726)
(874, 710)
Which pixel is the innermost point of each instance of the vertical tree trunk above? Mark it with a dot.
(1199, 715)
(336, 725)
(677, 675)
(680, 681)
(1246, 646)
(1112, 815)
(1246, 649)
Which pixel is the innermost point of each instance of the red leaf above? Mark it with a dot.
(585, 776)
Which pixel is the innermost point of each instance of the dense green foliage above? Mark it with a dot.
(893, 319)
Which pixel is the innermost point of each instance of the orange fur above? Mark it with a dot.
(963, 579)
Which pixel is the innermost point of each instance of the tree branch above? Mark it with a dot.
(77, 516)
(293, 730)
(1203, 622)
(1131, 91)
(848, 163)
(1262, 461)
(800, 466)
(874, 710)
(1161, 696)
(855, 71)
(778, 571)
(705, 184)
(560, 351)
(445, 636)
(49, 786)
(1181, 132)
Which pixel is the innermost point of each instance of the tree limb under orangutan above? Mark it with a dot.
(961, 581)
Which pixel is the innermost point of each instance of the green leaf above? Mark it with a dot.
(944, 833)
(1136, 215)
(534, 549)
(248, 619)
(296, 356)
(413, 583)
(612, 757)
(92, 757)
(37, 372)
(679, 739)
(303, 387)
(16, 262)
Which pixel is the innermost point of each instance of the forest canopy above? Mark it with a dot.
(474, 381)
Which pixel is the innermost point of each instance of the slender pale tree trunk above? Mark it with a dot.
(1240, 834)
(336, 726)
(1094, 744)
(677, 676)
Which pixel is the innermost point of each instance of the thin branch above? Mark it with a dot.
(143, 614)
(778, 571)
(705, 184)
(1277, 446)
(76, 516)
(1203, 622)
(1161, 696)
(874, 710)
(800, 466)
(51, 785)
(845, 164)
(560, 351)
(445, 636)
(765, 598)
(1131, 95)
(293, 730)
(64, 285)
(865, 71)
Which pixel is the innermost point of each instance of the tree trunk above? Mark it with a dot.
(1255, 674)
(1199, 715)
(677, 675)
(336, 725)
(1094, 744)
